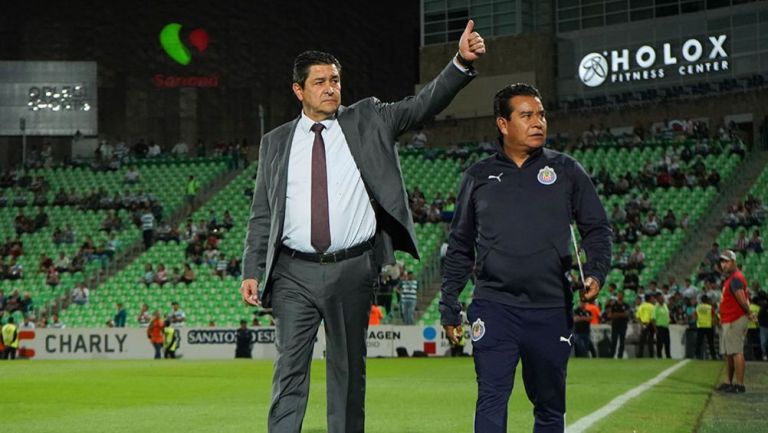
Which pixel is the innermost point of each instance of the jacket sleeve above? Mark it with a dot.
(593, 225)
(257, 236)
(459, 260)
(429, 101)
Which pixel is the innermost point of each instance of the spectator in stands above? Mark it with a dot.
(41, 219)
(233, 267)
(670, 221)
(220, 268)
(28, 322)
(80, 294)
(58, 236)
(120, 316)
(621, 257)
(227, 221)
(15, 270)
(52, 279)
(56, 323)
(22, 224)
(433, 214)
(143, 318)
(113, 245)
(149, 275)
(713, 255)
(112, 222)
(651, 226)
(637, 259)
(176, 316)
(408, 294)
(211, 255)
(78, 263)
(69, 234)
(200, 229)
(180, 149)
(194, 251)
(213, 222)
(188, 275)
(191, 189)
(44, 263)
(161, 277)
(685, 222)
(755, 242)
(132, 176)
(154, 150)
(62, 263)
(147, 227)
(419, 139)
(168, 232)
(631, 231)
(690, 291)
(631, 280)
(712, 291)
(26, 304)
(741, 243)
(618, 215)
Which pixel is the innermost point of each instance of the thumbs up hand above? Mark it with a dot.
(471, 45)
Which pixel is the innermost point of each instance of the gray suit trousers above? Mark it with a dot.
(304, 294)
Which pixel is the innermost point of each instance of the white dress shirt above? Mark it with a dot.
(350, 214)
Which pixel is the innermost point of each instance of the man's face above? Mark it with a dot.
(527, 125)
(320, 94)
(727, 266)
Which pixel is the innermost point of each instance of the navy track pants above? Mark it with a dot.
(541, 338)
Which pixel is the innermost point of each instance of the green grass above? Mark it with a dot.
(404, 395)
(742, 413)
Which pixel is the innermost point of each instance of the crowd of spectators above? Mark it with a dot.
(201, 241)
(706, 140)
(439, 210)
(748, 213)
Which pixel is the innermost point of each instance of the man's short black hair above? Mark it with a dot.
(501, 105)
(306, 59)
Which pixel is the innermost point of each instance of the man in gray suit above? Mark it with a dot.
(329, 208)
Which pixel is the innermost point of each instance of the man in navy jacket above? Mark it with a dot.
(511, 228)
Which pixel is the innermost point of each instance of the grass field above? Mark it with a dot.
(404, 396)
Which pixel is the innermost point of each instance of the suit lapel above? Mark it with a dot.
(354, 141)
(283, 141)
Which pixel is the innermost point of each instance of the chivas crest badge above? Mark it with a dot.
(478, 330)
(547, 176)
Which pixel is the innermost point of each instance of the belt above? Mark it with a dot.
(333, 257)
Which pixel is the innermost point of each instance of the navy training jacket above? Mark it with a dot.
(511, 227)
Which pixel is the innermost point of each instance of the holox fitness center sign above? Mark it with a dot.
(692, 57)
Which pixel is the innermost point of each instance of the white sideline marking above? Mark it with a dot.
(588, 421)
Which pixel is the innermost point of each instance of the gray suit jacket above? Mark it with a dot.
(370, 127)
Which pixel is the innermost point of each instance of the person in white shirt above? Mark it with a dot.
(180, 149)
(80, 294)
(154, 150)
